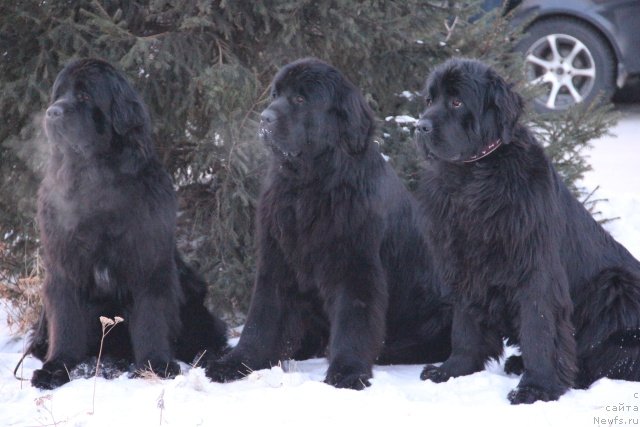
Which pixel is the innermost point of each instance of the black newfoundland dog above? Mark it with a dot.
(525, 259)
(342, 260)
(107, 214)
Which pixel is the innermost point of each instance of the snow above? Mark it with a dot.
(294, 394)
(614, 160)
(405, 119)
(408, 95)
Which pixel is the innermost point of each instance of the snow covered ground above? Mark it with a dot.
(616, 170)
(298, 397)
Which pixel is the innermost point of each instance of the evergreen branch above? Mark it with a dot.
(107, 25)
(103, 12)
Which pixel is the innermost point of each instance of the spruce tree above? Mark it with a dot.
(203, 68)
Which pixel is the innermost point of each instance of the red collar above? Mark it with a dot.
(485, 151)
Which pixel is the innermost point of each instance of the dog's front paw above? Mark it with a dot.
(435, 374)
(353, 381)
(52, 375)
(347, 376)
(224, 371)
(531, 394)
(162, 369)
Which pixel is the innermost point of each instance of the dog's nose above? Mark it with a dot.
(268, 116)
(54, 112)
(424, 126)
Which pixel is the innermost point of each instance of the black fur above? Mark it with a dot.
(107, 212)
(342, 259)
(524, 258)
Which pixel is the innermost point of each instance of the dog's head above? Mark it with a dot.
(314, 108)
(470, 110)
(94, 111)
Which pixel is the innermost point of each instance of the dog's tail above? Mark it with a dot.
(607, 321)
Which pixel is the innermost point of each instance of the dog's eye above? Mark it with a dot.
(298, 99)
(428, 101)
(456, 103)
(274, 95)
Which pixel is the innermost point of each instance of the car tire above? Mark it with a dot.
(571, 59)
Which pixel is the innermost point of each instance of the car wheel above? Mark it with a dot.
(572, 61)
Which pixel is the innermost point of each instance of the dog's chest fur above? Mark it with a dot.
(481, 217)
(313, 222)
(311, 225)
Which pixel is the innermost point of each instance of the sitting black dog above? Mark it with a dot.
(342, 257)
(524, 258)
(107, 213)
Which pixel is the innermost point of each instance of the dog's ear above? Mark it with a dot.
(127, 111)
(129, 117)
(355, 120)
(508, 106)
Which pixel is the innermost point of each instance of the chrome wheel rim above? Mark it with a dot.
(565, 66)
